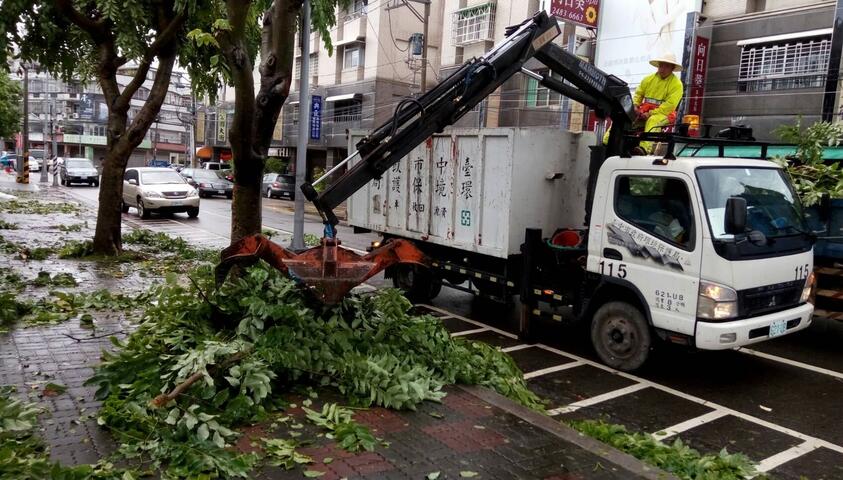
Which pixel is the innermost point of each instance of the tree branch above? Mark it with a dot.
(165, 37)
(95, 28)
(166, 398)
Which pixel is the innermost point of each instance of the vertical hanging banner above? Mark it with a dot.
(315, 117)
(698, 66)
(222, 119)
(581, 12)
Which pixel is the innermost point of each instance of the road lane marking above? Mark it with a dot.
(780, 458)
(573, 407)
(469, 332)
(555, 368)
(689, 424)
(792, 363)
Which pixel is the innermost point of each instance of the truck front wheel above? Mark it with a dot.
(417, 282)
(621, 336)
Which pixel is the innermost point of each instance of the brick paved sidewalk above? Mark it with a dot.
(472, 430)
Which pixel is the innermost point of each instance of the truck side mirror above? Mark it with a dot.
(132, 181)
(735, 215)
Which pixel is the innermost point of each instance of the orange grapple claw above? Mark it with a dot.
(329, 271)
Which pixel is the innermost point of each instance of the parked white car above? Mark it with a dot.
(158, 190)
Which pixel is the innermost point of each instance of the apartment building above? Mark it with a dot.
(769, 63)
(472, 27)
(376, 61)
(76, 116)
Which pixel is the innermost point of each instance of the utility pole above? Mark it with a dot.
(25, 136)
(46, 131)
(54, 120)
(425, 19)
(304, 127)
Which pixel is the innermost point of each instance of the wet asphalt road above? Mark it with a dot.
(779, 402)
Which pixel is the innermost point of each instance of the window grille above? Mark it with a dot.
(802, 64)
(473, 24)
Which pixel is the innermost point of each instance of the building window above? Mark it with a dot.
(538, 95)
(356, 9)
(295, 114)
(473, 24)
(801, 63)
(348, 110)
(352, 57)
(297, 69)
(314, 68)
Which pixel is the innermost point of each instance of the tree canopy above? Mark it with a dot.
(10, 106)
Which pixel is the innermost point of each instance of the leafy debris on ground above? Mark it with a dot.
(676, 458)
(223, 357)
(37, 207)
(4, 225)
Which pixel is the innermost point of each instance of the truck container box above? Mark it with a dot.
(478, 189)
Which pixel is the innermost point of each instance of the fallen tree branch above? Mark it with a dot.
(166, 398)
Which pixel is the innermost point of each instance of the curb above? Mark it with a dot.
(625, 461)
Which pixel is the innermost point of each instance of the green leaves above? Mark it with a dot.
(282, 453)
(811, 176)
(676, 458)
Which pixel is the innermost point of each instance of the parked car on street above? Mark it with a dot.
(208, 182)
(36, 159)
(158, 190)
(216, 166)
(78, 170)
(279, 185)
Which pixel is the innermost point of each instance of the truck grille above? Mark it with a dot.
(769, 298)
(175, 194)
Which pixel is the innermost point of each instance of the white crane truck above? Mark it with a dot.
(708, 252)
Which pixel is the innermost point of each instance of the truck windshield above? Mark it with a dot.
(772, 206)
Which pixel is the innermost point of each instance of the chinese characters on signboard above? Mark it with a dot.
(581, 12)
(315, 117)
(697, 91)
(221, 125)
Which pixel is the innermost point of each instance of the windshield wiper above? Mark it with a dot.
(811, 235)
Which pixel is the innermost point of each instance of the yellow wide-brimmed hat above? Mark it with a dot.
(668, 57)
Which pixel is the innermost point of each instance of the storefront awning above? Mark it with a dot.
(785, 36)
(204, 152)
(347, 96)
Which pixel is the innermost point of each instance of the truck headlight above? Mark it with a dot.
(808, 289)
(716, 302)
(151, 194)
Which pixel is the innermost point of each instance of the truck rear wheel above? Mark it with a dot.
(417, 282)
(621, 336)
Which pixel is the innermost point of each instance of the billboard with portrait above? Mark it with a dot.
(632, 32)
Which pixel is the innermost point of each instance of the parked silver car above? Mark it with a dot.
(159, 190)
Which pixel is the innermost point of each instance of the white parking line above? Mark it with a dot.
(470, 332)
(692, 398)
(556, 368)
(475, 322)
(516, 347)
(573, 407)
(792, 363)
(689, 424)
(774, 461)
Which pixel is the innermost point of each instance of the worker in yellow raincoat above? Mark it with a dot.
(657, 97)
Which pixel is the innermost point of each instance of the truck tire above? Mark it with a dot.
(621, 336)
(417, 282)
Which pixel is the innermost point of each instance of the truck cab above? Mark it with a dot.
(707, 252)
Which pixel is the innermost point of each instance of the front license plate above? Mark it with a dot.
(221, 192)
(778, 328)
(178, 204)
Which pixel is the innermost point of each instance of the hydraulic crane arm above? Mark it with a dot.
(415, 120)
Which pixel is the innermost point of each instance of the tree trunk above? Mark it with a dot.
(255, 117)
(107, 237)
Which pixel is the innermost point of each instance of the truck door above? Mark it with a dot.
(652, 243)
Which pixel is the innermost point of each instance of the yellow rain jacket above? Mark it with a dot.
(664, 93)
